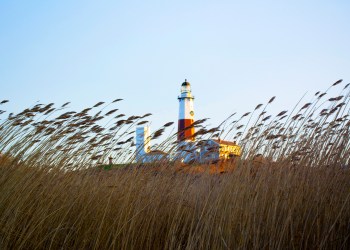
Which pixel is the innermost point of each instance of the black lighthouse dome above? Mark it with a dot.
(186, 83)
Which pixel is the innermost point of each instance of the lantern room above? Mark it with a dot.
(186, 87)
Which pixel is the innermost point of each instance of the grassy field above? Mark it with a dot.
(52, 195)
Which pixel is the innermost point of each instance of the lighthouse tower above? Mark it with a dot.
(186, 113)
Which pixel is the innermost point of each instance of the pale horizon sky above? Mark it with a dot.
(235, 54)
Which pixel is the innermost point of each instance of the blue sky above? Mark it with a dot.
(236, 54)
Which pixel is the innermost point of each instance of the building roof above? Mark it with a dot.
(231, 143)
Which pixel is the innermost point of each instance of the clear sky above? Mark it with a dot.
(236, 54)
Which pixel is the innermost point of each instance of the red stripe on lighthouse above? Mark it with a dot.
(185, 130)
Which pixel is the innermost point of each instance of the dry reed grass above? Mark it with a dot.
(52, 196)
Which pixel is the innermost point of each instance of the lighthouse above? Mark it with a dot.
(186, 113)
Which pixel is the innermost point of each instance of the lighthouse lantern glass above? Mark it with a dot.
(185, 88)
